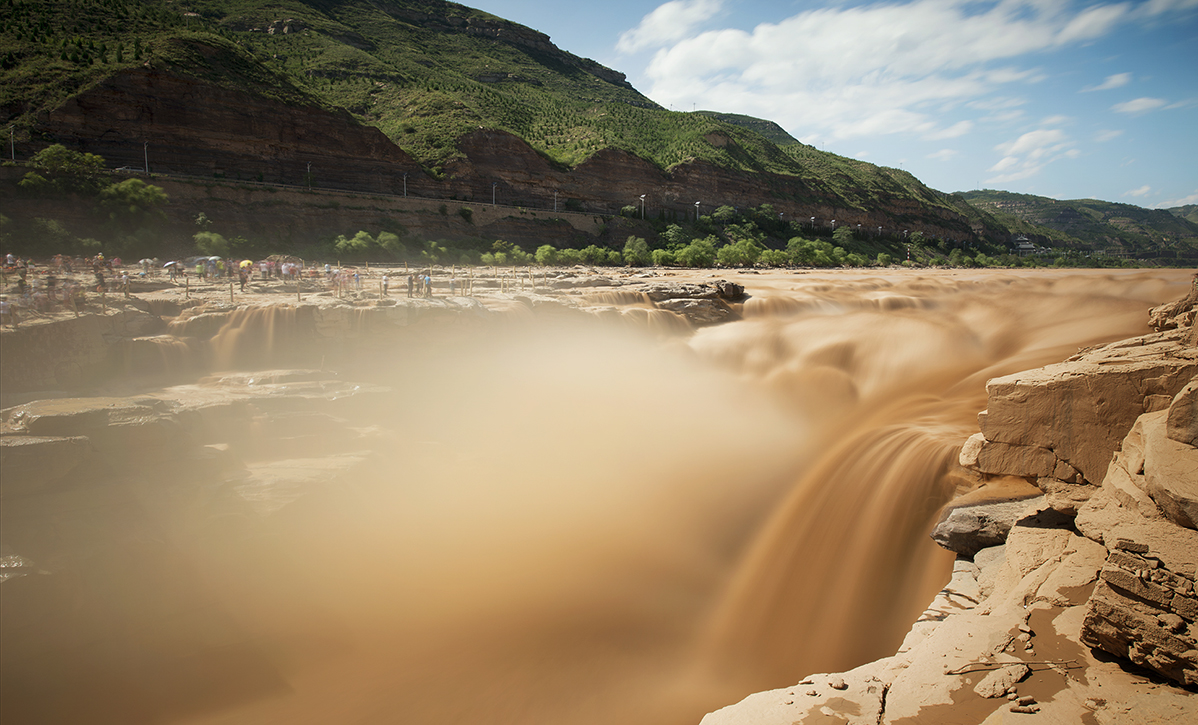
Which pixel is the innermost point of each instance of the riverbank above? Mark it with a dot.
(1074, 606)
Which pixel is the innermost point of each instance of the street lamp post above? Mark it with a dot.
(697, 210)
(642, 207)
(555, 201)
(493, 185)
(405, 184)
(833, 225)
(309, 176)
(813, 225)
(146, 151)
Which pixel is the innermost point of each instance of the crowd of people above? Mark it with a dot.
(29, 288)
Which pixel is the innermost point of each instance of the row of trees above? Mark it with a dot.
(131, 211)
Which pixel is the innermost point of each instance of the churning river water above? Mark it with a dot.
(551, 522)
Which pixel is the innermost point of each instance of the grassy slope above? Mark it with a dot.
(421, 80)
(1096, 224)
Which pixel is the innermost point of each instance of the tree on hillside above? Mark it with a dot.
(674, 237)
(58, 169)
(133, 201)
(843, 237)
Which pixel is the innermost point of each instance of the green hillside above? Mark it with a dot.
(774, 133)
(1090, 223)
(1188, 212)
(424, 73)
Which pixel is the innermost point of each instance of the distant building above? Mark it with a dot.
(1023, 246)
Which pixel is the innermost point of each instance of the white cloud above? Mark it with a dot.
(1107, 135)
(956, 130)
(1028, 154)
(890, 67)
(1034, 143)
(1139, 105)
(1116, 81)
(1142, 191)
(668, 23)
(1183, 201)
(944, 155)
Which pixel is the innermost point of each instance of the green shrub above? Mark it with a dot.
(211, 244)
(774, 258)
(699, 253)
(636, 252)
(547, 255)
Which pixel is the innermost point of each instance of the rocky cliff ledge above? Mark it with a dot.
(1075, 606)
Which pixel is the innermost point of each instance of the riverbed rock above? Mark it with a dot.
(33, 462)
(1001, 681)
(1078, 411)
(967, 530)
(1182, 423)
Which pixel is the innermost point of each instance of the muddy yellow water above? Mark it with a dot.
(539, 523)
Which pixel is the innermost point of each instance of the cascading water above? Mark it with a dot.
(541, 523)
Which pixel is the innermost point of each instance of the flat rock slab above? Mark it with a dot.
(1002, 680)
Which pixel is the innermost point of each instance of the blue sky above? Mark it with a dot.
(1051, 97)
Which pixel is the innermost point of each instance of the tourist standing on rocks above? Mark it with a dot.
(385, 282)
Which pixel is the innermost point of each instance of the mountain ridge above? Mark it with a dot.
(430, 97)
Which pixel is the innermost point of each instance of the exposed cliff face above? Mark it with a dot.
(199, 129)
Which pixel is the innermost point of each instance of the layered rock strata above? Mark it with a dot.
(1058, 425)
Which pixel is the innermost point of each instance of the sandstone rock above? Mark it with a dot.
(698, 312)
(1064, 496)
(1081, 409)
(1148, 577)
(1066, 584)
(998, 682)
(1170, 471)
(1183, 416)
(967, 530)
(1011, 460)
(1172, 315)
(989, 562)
